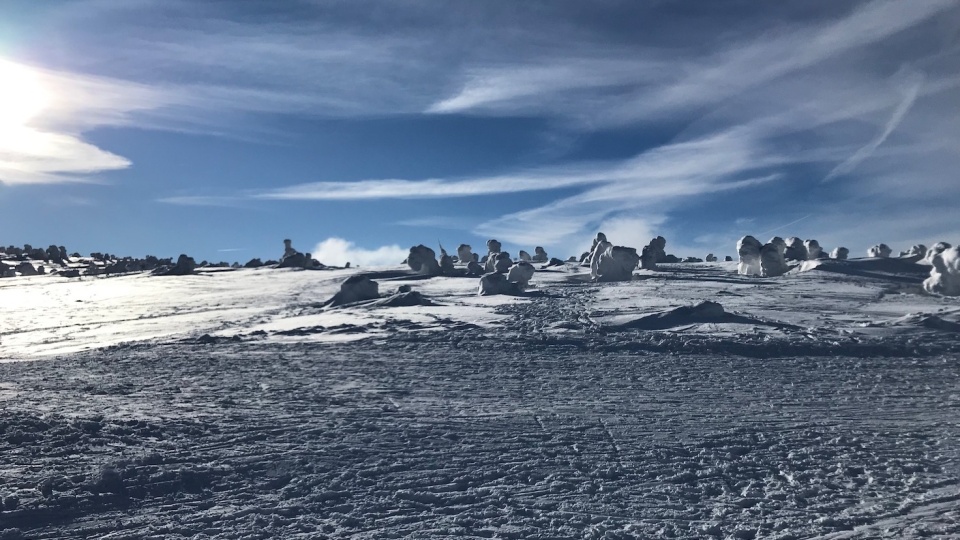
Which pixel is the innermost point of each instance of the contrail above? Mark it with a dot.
(866, 151)
(775, 229)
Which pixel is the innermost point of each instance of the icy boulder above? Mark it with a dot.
(446, 263)
(465, 253)
(880, 251)
(840, 253)
(599, 239)
(540, 255)
(524, 256)
(937, 248)
(502, 263)
(423, 260)
(495, 283)
(945, 276)
(521, 274)
(772, 261)
(184, 267)
(288, 249)
(26, 269)
(613, 263)
(748, 248)
(814, 251)
(795, 249)
(355, 289)
(653, 253)
(919, 251)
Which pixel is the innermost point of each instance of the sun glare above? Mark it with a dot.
(22, 96)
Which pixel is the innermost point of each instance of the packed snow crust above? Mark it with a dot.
(689, 402)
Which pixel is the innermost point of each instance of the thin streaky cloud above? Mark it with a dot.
(867, 150)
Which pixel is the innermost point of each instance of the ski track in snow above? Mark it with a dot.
(482, 418)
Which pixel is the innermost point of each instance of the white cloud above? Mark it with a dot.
(338, 252)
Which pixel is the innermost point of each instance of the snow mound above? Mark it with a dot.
(945, 276)
(404, 299)
(748, 248)
(840, 253)
(700, 313)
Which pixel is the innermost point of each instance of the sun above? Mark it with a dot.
(22, 96)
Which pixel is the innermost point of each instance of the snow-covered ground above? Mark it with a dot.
(232, 404)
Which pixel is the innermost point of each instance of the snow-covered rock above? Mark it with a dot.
(521, 274)
(524, 256)
(26, 269)
(795, 251)
(653, 253)
(599, 239)
(288, 249)
(540, 255)
(748, 248)
(814, 251)
(711, 257)
(465, 253)
(356, 288)
(423, 260)
(184, 267)
(936, 249)
(772, 261)
(917, 250)
(446, 263)
(493, 246)
(840, 253)
(474, 268)
(495, 283)
(502, 262)
(881, 251)
(945, 276)
(613, 263)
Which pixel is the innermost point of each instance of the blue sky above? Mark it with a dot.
(358, 128)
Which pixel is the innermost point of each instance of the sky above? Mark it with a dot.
(360, 128)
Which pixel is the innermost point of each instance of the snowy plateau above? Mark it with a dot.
(235, 404)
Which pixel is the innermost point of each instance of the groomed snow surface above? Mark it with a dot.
(819, 404)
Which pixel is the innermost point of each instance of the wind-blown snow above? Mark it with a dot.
(690, 402)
